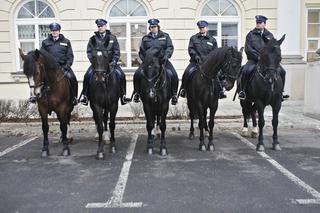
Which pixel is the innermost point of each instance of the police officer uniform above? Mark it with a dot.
(163, 41)
(200, 45)
(61, 50)
(254, 44)
(112, 50)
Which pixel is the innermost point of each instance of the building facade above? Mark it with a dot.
(24, 24)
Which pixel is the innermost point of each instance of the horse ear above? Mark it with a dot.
(22, 55)
(281, 39)
(37, 54)
(241, 50)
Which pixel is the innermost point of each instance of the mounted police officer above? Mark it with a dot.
(157, 38)
(254, 44)
(113, 51)
(200, 45)
(60, 48)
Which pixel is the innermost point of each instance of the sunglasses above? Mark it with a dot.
(153, 26)
(100, 26)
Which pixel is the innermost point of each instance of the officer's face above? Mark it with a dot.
(153, 28)
(260, 25)
(55, 33)
(203, 29)
(102, 28)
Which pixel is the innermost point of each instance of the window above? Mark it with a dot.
(32, 25)
(224, 20)
(128, 21)
(313, 34)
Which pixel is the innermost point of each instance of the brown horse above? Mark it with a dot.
(51, 88)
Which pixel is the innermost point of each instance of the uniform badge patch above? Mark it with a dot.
(163, 38)
(111, 42)
(63, 44)
(209, 43)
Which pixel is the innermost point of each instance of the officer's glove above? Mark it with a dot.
(198, 59)
(113, 64)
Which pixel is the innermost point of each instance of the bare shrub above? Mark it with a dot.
(5, 109)
(136, 109)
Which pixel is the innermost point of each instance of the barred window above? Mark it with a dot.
(224, 20)
(128, 21)
(32, 25)
(313, 34)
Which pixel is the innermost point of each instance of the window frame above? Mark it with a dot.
(30, 21)
(128, 20)
(219, 20)
(311, 38)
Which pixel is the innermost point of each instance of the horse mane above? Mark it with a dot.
(215, 58)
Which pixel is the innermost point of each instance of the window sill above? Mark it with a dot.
(18, 76)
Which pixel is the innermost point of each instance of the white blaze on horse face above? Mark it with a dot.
(31, 85)
(99, 53)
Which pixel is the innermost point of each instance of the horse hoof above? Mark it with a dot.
(202, 147)
(276, 147)
(150, 151)
(244, 132)
(113, 149)
(163, 152)
(191, 136)
(254, 134)
(211, 148)
(45, 153)
(260, 148)
(66, 152)
(100, 156)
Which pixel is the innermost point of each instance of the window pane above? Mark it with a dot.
(230, 43)
(313, 16)
(123, 60)
(26, 47)
(313, 30)
(135, 44)
(140, 11)
(132, 5)
(231, 11)
(135, 60)
(47, 13)
(30, 6)
(43, 33)
(213, 29)
(138, 30)
(223, 5)
(26, 32)
(122, 44)
(312, 56)
(209, 11)
(313, 44)
(116, 12)
(118, 30)
(23, 13)
(229, 29)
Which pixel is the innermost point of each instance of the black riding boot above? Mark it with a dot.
(283, 77)
(243, 84)
(84, 97)
(123, 90)
(136, 82)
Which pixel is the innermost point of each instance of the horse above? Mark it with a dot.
(265, 88)
(49, 84)
(104, 93)
(202, 88)
(155, 93)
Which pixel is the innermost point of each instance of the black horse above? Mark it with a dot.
(203, 92)
(265, 88)
(155, 92)
(48, 82)
(104, 93)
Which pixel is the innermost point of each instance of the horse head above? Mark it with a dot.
(151, 63)
(270, 58)
(100, 59)
(33, 68)
(231, 68)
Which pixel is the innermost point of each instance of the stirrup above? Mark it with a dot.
(32, 100)
(136, 98)
(174, 100)
(242, 95)
(183, 93)
(84, 100)
(74, 101)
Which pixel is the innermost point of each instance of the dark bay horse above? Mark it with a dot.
(202, 88)
(155, 92)
(51, 87)
(104, 93)
(265, 89)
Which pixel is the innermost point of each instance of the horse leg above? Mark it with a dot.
(275, 120)
(45, 130)
(150, 126)
(112, 126)
(64, 129)
(163, 147)
(97, 115)
(158, 133)
(261, 122)
(106, 133)
(202, 146)
(244, 105)
(191, 133)
(211, 126)
(254, 132)
(206, 124)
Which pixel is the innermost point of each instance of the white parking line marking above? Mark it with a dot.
(22, 143)
(288, 174)
(117, 196)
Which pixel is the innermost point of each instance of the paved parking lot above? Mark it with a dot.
(234, 178)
